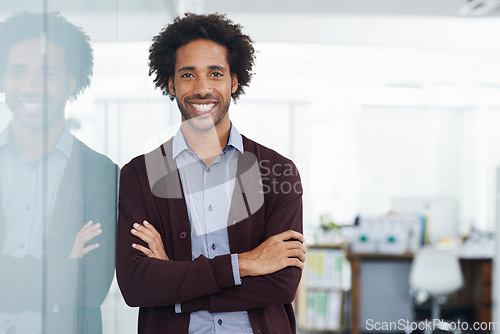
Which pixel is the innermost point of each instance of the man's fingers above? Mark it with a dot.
(291, 234)
(147, 231)
(295, 245)
(91, 233)
(85, 228)
(297, 253)
(90, 248)
(143, 236)
(88, 229)
(150, 227)
(152, 238)
(293, 262)
(143, 249)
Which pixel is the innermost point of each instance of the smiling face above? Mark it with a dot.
(202, 84)
(30, 84)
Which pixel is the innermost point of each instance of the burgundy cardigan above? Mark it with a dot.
(207, 284)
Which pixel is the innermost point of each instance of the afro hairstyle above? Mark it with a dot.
(76, 44)
(214, 27)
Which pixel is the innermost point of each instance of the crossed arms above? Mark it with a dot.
(274, 254)
(152, 271)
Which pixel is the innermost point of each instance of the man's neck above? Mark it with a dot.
(31, 142)
(207, 144)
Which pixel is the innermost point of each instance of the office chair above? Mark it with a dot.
(437, 273)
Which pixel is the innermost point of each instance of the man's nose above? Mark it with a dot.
(33, 83)
(203, 87)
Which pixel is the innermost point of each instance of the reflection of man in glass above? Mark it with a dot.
(57, 196)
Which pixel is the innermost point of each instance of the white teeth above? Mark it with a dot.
(32, 106)
(203, 107)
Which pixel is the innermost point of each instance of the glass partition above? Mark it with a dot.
(366, 116)
(74, 86)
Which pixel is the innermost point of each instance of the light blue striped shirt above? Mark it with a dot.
(208, 191)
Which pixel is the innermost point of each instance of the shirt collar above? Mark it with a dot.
(180, 144)
(64, 144)
(235, 140)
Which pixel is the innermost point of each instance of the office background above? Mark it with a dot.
(373, 100)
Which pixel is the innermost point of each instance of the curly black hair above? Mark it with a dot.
(76, 44)
(214, 27)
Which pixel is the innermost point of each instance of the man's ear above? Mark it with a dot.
(234, 83)
(171, 87)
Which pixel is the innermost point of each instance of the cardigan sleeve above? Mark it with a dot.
(150, 282)
(272, 289)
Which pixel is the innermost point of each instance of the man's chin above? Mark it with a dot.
(37, 123)
(31, 123)
(201, 123)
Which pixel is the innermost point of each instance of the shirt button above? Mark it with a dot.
(210, 208)
(183, 235)
(214, 246)
(27, 207)
(21, 246)
(207, 170)
(219, 322)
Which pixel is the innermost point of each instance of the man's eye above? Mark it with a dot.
(217, 74)
(51, 74)
(187, 75)
(17, 73)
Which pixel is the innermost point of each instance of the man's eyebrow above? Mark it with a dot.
(216, 67)
(192, 68)
(186, 68)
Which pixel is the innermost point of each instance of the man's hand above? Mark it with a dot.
(149, 235)
(88, 232)
(274, 254)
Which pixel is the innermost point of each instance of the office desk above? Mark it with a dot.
(476, 292)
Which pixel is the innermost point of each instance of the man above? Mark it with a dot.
(58, 197)
(209, 234)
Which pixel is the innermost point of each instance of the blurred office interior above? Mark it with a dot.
(389, 109)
